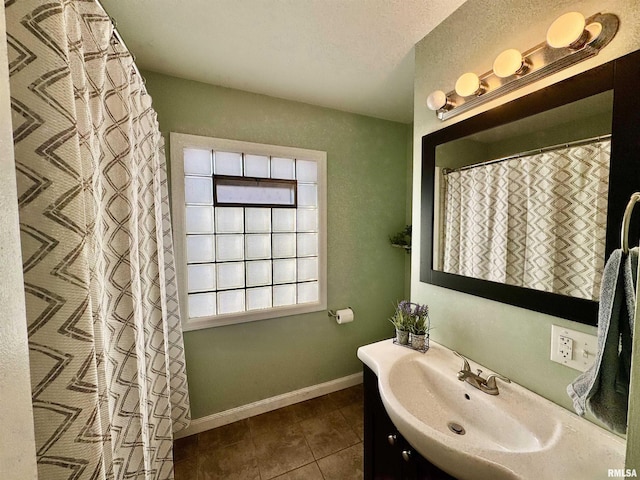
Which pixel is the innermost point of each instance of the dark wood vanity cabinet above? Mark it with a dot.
(387, 455)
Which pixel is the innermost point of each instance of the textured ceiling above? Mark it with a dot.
(351, 55)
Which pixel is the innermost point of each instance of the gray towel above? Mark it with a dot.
(603, 389)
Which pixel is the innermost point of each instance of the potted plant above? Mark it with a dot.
(403, 321)
(402, 239)
(420, 328)
(412, 325)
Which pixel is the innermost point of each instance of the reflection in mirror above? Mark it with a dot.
(525, 203)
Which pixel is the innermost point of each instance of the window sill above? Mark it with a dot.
(200, 323)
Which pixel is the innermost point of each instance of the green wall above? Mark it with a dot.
(366, 165)
(507, 339)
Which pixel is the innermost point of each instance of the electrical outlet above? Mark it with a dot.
(565, 347)
(572, 348)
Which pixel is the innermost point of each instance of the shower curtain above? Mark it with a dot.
(537, 221)
(108, 378)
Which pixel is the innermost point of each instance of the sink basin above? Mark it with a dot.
(472, 435)
(487, 419)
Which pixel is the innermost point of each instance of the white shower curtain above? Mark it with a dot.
(108, 375)
(537, 221)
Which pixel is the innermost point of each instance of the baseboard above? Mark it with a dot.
(268, 404)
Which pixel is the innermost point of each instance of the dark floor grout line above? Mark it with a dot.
(341, 450)
(320, 470)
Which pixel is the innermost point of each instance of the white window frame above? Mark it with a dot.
(179, 142)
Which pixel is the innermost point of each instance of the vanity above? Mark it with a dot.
(421, 422)
(426, 415)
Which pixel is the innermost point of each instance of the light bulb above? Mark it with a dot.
(567, 31)
(436, 100)
(594, 29)
(508, 63)
(468, 84)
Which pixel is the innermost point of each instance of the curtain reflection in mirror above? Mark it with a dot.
(536, 221)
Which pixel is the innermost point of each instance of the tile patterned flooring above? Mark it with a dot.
(320, 439)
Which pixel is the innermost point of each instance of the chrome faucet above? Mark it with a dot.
(486, 385)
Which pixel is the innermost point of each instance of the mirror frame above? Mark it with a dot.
(620, 75)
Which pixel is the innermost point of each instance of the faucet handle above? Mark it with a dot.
(490, 382)
(465, 365)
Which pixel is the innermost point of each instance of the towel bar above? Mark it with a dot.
(625, 221)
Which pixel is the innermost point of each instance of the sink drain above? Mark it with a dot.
(456, 428)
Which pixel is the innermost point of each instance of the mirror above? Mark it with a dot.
(523, 204)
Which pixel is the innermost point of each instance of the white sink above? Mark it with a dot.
(487, 419)
(514, 435)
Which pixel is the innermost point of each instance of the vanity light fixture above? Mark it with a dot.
(570, 39)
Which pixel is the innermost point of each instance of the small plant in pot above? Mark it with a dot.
(420, 328)
(402, 239)
(412, 325)
(403, 321)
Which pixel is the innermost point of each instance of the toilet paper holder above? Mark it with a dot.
(332, 313)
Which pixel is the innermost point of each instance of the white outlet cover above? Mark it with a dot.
(584, 348)
(565, 347)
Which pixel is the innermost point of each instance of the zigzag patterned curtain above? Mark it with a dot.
(537, 221)
(106, 350)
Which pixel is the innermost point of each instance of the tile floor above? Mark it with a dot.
(320, 439)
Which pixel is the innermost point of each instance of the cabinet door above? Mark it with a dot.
(387, 461)
(382, 459)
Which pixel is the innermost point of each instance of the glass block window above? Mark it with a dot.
(249, 227)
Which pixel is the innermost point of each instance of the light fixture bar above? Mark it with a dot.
(541, 61)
